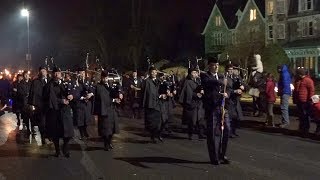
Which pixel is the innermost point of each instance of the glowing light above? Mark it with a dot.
(6, 72)
(25, 13)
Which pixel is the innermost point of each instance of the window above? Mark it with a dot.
(234, 38)
(280, 6)
(310, 28)
(307, 29)
(217, 39)
(253, 14)
(270, 32)
(281, 31)
(270, 7)
(305, 5)
(218, 20)
(309, 4)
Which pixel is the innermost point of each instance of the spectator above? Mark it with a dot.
(304, 90)
(284, 91)
(270, 99)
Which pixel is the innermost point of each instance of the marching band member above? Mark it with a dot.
(216, 93)
(107, 97)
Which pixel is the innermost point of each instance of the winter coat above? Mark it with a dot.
(303, 89)
(284, 81)
(270, 93)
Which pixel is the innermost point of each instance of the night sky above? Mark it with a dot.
(177, 23)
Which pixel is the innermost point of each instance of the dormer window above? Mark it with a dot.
(253, 14)
(305, 5)
(218, 20)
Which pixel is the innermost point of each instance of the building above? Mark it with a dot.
(276, 15)
(303, 35)
(239, 24)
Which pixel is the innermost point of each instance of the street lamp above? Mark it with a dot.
(26, 13)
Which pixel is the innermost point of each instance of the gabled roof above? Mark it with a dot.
(262, 6)
(215, 8)
(229, 9)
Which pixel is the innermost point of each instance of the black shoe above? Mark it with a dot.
(202, 137)
(57, 154)
(86, 135)
(106, 148)
(154, 141)
(216, 163)
(225, 160)
(235, 134)
(65, 151)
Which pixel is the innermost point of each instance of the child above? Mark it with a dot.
(270, 99)
(316, 112)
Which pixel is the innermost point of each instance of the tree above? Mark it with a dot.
(272, 56)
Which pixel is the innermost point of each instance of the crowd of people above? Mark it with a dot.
(58, 103)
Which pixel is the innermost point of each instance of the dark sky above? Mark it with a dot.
(182, 22)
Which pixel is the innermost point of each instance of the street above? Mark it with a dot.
(254, 155)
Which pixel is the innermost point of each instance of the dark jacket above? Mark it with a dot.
(151, 94)
(284, 81)
(213, 88)
(36, 93)
(59, 122)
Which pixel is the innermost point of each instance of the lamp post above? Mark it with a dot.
(25, 13)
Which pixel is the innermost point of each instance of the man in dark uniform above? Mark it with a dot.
(151, 105)
(164, 93)
(23, 91)
(135, 94)
(235, 110)
(83, 103)
(16, 104)
(59, 122)
(36, 99)
(214, 95)
(105, 107)
(191, 100)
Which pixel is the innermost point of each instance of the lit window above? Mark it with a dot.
(253, 14)
(281, 31)
(218, 20)
(270, 35)
(280, 6)
(270, 7)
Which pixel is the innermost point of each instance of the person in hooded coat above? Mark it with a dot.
(284, 91)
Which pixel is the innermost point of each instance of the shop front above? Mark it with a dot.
(307, 57)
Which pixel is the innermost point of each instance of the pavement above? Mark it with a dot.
(259, 153)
